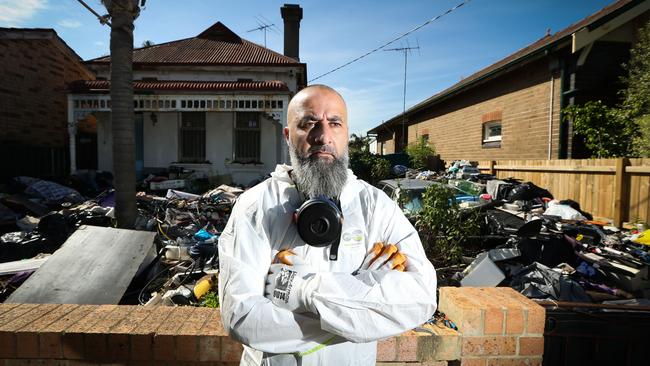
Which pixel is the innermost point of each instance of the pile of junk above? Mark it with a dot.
(548, 249)
(169, 259)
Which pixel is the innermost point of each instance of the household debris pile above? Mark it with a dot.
(38, 217)
(549, 249)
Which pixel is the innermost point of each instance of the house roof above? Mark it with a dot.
(216, 45)
(519, 56)
(37, 33)
(82, 86)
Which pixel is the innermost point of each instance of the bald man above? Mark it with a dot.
(320, 305)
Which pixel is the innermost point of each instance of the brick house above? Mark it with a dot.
(215, 103)
(35, 67)
(512, 108)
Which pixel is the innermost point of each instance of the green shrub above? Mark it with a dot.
(443, 227)
(419, 153)
(366, 166)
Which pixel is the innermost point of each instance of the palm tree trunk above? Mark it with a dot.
(122, 117)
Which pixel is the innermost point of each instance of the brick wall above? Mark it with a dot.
(497, 326)
(34, 71)
(521, 98)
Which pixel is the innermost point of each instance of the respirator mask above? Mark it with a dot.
(320, 222)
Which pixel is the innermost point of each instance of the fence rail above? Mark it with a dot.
(618, 189)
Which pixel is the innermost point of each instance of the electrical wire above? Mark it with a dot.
(393, 40)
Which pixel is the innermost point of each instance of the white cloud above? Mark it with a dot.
(14, 12)
(70, 23)
(99, 43)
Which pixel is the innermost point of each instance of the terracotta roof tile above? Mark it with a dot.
(104, 85)
(217, 45)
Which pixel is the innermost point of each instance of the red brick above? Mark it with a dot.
(187, 347)
(111, 319)
(73, 317)
(387, 350)
(493, 312)
(493, 321)
(517, 361)
(231, 350)
(7, 345)
(73, 346)
(50, 345)
(133, 320)
(214, 326)
(19, 317)
(473, 362)
(141, 347)
(197, 320)
(462, 309)
(51, 317)
(118, 346)
(407, 348)
(482, 346)
(163, 347)
(86, 323)
(175, 321)
(26, 345)
(536, 319)
(531, 346)
(515, 321)
(142, 343)
(4, 307)
(95, 347)
(209, 348)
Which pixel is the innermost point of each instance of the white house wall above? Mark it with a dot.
(271, 133)
(160, 140)
(218, 132)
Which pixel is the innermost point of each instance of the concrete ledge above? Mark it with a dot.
(497, 326)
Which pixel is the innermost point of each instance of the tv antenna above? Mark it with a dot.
(406, 51)
(264, 25)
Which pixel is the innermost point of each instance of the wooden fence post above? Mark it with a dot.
(621, 192)
(491, 167)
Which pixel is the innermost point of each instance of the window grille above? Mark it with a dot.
(192, 137)
(247, 137)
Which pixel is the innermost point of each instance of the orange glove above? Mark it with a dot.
(384, 257)
(286, 256)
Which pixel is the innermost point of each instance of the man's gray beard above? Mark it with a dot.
(318, 177)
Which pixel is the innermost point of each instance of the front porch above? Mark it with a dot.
(235, 137)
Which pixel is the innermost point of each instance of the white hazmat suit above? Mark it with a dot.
(354, 310)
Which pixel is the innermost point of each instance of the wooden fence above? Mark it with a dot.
(617, 189)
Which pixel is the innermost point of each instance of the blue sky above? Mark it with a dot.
(334, 32)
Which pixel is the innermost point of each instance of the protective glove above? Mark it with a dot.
(287, 288)
(384, 257)
(296, 262)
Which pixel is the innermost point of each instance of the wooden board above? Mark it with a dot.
(94, 266)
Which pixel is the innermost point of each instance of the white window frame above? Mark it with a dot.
(486, 129)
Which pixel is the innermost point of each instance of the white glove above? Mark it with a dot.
(288, 289)
(384, 257)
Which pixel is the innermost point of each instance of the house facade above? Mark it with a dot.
(512, 109)
(35, 67)
(215, 103)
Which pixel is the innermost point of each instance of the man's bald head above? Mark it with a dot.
(296, 105)
(317, 135)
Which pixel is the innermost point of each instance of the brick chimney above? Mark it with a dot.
(292, 14)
